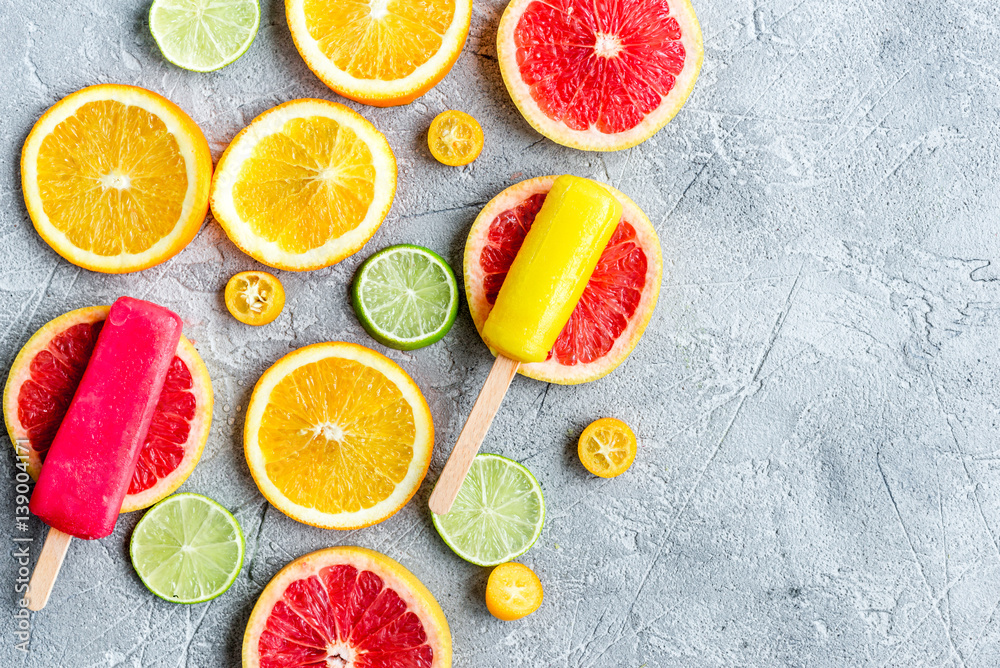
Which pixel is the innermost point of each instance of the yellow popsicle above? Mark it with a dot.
(552, 269)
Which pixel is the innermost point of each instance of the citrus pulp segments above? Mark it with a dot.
(379, 91)
(292, 594)
(193, 149)
(552, 370)
(422, 446)
(362, 307)
(475, 496)
(168, 17)
(272, 122)
(156, 524)
(510, 56)
(198, 429)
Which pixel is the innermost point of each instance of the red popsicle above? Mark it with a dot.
(89, 466)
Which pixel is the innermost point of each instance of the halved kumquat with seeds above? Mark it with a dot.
(513, 591)
(607, 447)
(255, 297)
(337, 436)
(305, 185)
(455, 138)
(380, 52)
(116, 178)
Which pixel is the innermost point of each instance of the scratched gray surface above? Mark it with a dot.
(816, 397)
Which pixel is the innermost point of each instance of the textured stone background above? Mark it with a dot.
(816, 396)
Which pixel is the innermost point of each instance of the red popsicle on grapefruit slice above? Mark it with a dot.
(44, 377)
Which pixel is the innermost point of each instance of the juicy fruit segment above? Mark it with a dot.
(607, 447)
(255, 297)
(346, 606)
(381, 52)
(497, 515)
(615, 305)
(396, 37)
(513, 591)
(599, 76)
(305, 185)
(45, 375)
(116, 178)
(112, 183)
(187, 549)
(455, 138)
(203, 35)
(312, 181)
(337, 436)
(405, 296)
(642, 40)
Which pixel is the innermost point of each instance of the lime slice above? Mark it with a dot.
(203, 35)
(405, 296)
(498, 514)
(187, 549)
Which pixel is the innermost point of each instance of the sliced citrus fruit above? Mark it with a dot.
(255, 297)
(348, 607)
(455, 138)
(44, 377)
(116, 178)
(498, 513)
(405, 296)
(616, 304)
(187, 549)
(337, 436)
(599, 76)
(381, 52)
(303, 186)
(513, 591)
(203, 35)
(607, 447)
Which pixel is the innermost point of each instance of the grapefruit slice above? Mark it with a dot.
(44, 377)
(347, 607)
(616, 304)
(599, 76)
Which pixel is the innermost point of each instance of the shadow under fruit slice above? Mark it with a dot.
(346, 606)
(337, 436)
(615, 306)
(45, 375)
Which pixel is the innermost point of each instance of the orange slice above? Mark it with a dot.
(337, 436)
(305, 185)
(455, 138)
(381, 52)
(116, 178)
(255, 297)
(513, 591)
(607, 447)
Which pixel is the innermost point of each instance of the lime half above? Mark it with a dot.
(405, 296)
(203, 35)
(187, 549)
(498, 514)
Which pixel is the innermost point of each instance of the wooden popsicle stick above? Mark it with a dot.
(473, 433)
(47, 569)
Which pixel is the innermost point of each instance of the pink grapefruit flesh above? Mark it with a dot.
(615, 306)
(600, 75)
(347, 607)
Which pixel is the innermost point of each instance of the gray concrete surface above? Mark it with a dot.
(816, 397)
